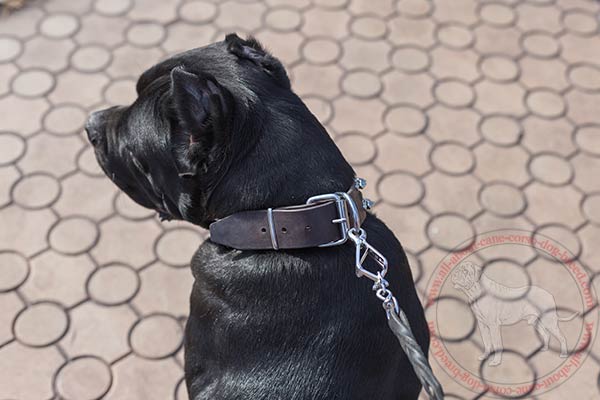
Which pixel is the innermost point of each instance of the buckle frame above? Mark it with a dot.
(343, 201)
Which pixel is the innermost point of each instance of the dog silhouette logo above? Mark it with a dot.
(521, 302)
(495, 305)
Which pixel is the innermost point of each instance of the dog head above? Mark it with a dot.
(195, 115)
(465, 275)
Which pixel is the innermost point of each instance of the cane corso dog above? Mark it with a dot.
(495, 305)
(218, 130)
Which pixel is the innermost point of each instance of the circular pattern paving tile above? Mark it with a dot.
(368, 28)
(357, 149)
(91, 58)
(502, 199)
(181, 392)
(73, 235)
(415, 8)
(156, 336)
(401, 189)
(33, 83)
(59, 26)
(452, 158)
(518, 362)
(120, 92)
(499, 68)
(588, 139)
(501, 130)
(36, 191)
(65, 120)
(567, 240)
(454, 93)
(15, 270)
(541, 45)
(447, 311)
(113, 7)
(177, 246)
(283, 19)
(146, 34)
(580, 22)
(450, 232)
(362, 84)
(405, 120)
(585, 77)
(83, 378)
(551, 169)
(331, 3)
(411, 59)
(591, 208)
(114, 284)
(41, 324)
(545, 103)
(321, 51)
(9, 49)
(497, 14)
(198, 11)
(12, 147)
(455, 36)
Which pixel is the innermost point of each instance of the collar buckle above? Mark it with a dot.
(347, 213)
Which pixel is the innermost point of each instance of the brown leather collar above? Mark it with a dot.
(320, 224)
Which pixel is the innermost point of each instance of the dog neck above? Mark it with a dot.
(292, 158)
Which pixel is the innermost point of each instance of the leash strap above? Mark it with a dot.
(399, 325)
(397, 320)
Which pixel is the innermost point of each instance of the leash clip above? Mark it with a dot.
(364, 250)
(397, 320)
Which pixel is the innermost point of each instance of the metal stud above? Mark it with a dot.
(360, 183)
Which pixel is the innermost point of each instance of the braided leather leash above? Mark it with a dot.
(397, 320)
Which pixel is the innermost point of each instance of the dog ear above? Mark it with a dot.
(202, 107)
(197, 99)
(250, 49)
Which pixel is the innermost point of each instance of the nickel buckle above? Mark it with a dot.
(345, 208)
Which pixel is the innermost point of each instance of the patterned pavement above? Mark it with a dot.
(465, 116)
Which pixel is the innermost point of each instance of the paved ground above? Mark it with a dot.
(464, 116)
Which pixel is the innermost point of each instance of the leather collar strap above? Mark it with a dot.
(294, 227)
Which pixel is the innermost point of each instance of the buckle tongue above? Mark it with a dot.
(342, 217)
(344, 204)
(347, 211)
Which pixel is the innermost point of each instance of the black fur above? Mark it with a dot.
(217, 130)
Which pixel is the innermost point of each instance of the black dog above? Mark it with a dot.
(215, 131)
